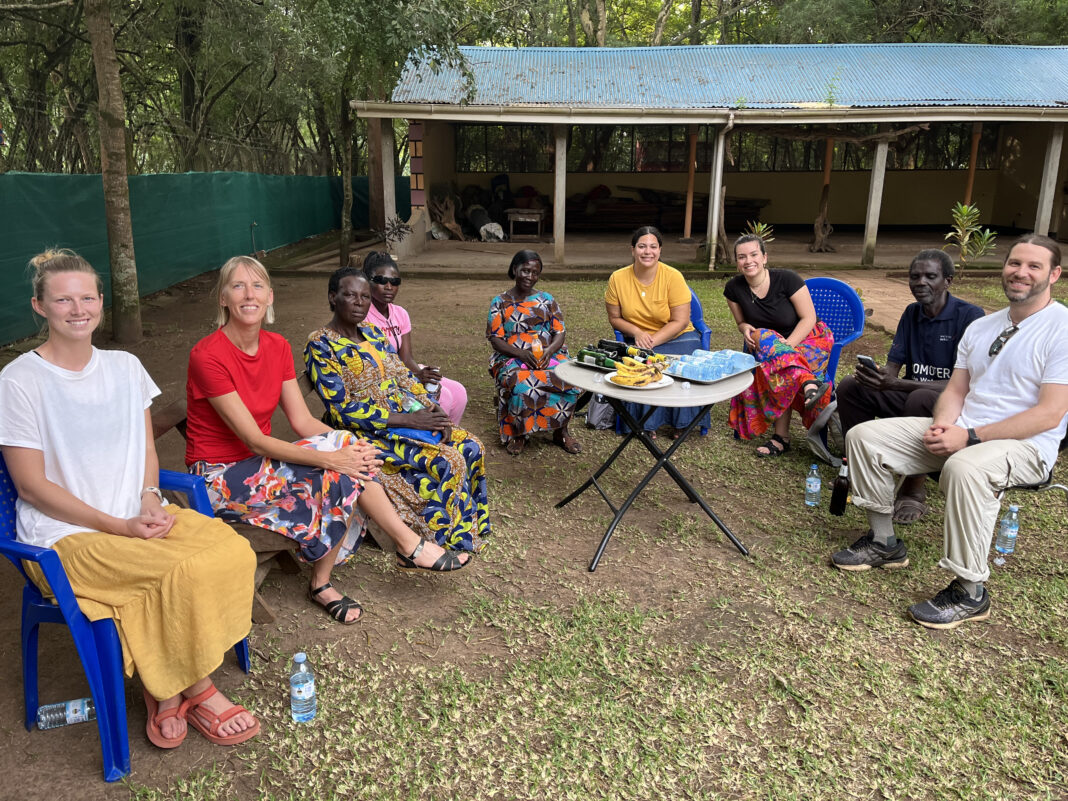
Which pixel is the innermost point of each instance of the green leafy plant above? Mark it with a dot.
(395, 232)
(971, 241)
(764, 230)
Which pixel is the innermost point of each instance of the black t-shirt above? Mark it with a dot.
(774, 310)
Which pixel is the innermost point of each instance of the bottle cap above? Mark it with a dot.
(299, 657)
(1014, 508)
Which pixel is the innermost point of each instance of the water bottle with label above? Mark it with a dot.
(433, 390)
(813, 485)
(51, 716)
(1010, 527)
(302, 701)
(410, 404)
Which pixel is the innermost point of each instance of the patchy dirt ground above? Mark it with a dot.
(664, 554)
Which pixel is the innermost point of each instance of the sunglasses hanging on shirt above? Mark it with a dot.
(1003, 337)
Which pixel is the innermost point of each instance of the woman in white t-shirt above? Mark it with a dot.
(75, 434)
(385, 279)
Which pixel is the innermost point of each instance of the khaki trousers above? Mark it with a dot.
(881, 451)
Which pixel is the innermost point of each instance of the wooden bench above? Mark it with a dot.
(273, 550)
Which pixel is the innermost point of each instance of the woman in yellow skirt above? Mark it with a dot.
(75, 434)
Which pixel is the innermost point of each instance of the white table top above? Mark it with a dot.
(672, 396)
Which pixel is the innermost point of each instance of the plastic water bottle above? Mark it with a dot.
(813, 485)
(1010, 527)
(433, 391)
(410, 404)
(51, 716)
(302, 702)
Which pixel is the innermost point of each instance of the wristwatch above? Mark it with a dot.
(155, 491)
(973, 438)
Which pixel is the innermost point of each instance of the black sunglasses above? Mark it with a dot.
(1003, 337)
(382, 280)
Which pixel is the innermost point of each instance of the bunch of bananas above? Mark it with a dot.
(632, 373)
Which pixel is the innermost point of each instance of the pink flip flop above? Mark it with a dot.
(207, 722)
(155, 718)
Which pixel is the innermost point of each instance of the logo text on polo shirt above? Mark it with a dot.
(928, 372)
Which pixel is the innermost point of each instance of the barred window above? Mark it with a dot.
(665, 148)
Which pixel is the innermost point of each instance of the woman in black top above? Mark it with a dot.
(775, 316)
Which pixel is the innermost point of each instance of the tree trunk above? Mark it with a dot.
(695, 22)
(187, 44)
(658, 26)
(125, 301)
(346, 178)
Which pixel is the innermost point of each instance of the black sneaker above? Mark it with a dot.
(951, 607)
(866, 553)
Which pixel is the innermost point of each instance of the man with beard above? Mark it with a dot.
(997, 424)
(925, 344)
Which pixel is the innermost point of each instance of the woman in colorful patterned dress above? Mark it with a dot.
(775, 315)
(311, 491)
(394, 322)
(439, 487)
(526, 332)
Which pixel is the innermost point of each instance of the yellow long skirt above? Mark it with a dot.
(179, 603)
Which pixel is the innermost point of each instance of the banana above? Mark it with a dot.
(631, 379)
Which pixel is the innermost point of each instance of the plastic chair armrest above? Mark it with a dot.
(194, 487)
(20, 550)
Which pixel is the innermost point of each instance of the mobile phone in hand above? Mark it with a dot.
(867, 361)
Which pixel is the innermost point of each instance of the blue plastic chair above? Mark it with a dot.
(839, 306)
(97, 643)
(697, 318)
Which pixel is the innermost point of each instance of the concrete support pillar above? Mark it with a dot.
(691, 168)
(715, 192)
(1049, 178)
(381, 192)
(559, 192)
(389, 186)
(875, 202)
(977, 132)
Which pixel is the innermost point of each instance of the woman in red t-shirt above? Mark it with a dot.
(308, 490)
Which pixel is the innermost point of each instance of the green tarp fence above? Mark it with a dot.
(183, 225)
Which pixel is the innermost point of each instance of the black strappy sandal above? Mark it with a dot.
(338, 609)
(772, 450)
(812, 397)
(450, 560)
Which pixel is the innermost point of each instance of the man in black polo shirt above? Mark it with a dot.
(925, 344)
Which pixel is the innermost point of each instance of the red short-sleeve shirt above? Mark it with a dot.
(218, 367)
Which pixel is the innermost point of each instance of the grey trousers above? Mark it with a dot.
(881, 451)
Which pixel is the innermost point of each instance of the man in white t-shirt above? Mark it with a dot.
(997, 424)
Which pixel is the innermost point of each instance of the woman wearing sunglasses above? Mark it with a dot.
(394, 322)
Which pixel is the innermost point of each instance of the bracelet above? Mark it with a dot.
(155, 491)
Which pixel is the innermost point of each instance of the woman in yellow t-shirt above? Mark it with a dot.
(649, 302)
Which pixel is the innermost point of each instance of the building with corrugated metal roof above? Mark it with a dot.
(899, 132)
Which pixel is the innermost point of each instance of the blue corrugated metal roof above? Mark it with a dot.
(750, 76)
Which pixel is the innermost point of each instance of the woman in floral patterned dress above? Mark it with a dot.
(437, 486)
(530, 396)
(309, 490)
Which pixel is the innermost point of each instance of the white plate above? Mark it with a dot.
(665, 381)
